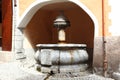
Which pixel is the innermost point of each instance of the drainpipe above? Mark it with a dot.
(105, 62)
(15, 3)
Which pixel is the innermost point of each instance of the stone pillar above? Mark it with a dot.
(18, 40)
(17, 34)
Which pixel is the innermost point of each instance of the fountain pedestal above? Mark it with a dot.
(62, 57)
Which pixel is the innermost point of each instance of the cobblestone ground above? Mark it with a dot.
(14, 71)
(88, 77)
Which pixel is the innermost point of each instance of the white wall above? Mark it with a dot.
(115, 17)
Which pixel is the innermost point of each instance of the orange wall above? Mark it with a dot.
(23, 5)
(38, 30)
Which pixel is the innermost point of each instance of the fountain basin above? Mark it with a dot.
(61, 54)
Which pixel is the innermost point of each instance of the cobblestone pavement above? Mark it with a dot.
(13, 71)
(89, 77)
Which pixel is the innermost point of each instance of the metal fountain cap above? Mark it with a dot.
(61, 22)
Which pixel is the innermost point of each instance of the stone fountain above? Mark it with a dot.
(63, 56)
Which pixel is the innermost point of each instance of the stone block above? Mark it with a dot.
(20, 56)
(45, 69)
(36, 56)
(17, 37)
(46, 57)
(55, 69)
(18, 44)
(18, 32)
(116, 76)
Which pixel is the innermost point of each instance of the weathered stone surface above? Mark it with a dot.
(46, 57)
(18, 71)
(113, 52)
(98, 52)
(112, 47)
(74, 68)
(68, 57)
(45, 69)
(78, 76)
(116, 76)
(14, 71)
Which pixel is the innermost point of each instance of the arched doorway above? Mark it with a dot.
(39, 28)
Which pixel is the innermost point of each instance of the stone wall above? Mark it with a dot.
(112, 50)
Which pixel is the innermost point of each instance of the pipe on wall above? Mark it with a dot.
(105, 62)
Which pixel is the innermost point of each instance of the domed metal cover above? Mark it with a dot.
(61, 22)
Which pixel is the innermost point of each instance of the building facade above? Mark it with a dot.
(93, 22)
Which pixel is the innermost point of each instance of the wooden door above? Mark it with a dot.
(6, 25)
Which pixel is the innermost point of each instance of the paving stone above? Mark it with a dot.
(13, 71)
(87, 77)
(116, 76)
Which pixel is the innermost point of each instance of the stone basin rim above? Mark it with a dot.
(61, 45)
